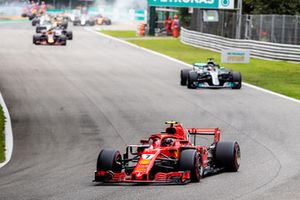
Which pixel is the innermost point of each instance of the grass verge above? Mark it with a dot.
(278, 76)
(2, 137)
(120, 34)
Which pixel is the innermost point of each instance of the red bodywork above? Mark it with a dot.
(154, 149)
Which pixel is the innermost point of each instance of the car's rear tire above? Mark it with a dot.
(31, 17)
(184, 76)
(228, 155)
(109, 160)
(65, 25)
(192, 78)
(237, 78)
(190, 161)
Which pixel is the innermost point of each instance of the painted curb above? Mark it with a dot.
(8, 133)
(188, 65)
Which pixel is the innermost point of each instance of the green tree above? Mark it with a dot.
(184, 17)
(281, 7)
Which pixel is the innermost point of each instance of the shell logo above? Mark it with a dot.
(225, 3)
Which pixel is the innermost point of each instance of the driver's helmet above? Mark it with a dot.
(168, 142)
(210, 67)
(211, 62)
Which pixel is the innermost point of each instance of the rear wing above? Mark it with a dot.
(205, 131)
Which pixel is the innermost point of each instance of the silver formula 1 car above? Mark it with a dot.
(210, 75)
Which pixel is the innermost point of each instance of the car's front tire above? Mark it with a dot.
(237, 78)
(70, 35)
(184, 76)
(35, 38)
(192, 78)
(190, 160)
(109, 160)
(92, 23)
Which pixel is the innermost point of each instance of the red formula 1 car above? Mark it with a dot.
(169, 157)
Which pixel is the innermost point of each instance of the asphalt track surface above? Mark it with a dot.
(67, 103)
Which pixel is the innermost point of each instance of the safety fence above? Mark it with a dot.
(283, 29)
(257, 49)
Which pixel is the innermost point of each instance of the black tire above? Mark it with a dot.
(70, 35)
(65, 25)
(192, 77)
(37, 30)
(237, 77)
(228, 155)
(35, 38)
(184, 76)
(92, 23)
(64, 42)
(109, 160)
(76, 23)
(107, 22)
(33, 22)
(31, 17)
(190, 161)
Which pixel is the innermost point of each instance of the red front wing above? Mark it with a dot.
(160, 177)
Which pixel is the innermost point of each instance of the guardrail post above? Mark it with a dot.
(260, 26)
(272, 28)
(239, 19)
(283, 31)
(296, 30)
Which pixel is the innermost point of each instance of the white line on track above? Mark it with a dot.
(8, 133)
(188, 65)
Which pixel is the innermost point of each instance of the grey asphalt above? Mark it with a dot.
(67, 103)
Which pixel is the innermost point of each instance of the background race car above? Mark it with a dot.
(210, 75)
(101, 20)
(169, 157)
(84, 20)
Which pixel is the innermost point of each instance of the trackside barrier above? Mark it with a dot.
(257, 49)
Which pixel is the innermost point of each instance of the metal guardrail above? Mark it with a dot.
(257, 49)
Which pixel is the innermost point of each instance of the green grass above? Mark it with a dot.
(13, 20)
(2, 138)
(278, 76)
(120, 34)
